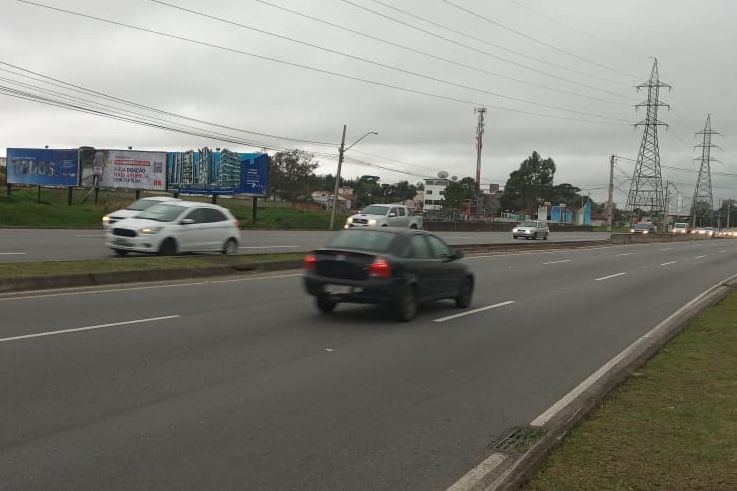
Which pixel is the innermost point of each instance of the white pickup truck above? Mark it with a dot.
(385, 216)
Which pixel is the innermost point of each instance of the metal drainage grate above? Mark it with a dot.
(509, 440)
(520, 438)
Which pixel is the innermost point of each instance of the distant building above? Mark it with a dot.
(229, 173)
(3, 162)
(325, 198)
(434, 195)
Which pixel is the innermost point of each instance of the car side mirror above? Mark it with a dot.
(187, 221)
(455, 255)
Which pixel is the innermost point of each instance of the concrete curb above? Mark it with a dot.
(516, 469)
(116, 277)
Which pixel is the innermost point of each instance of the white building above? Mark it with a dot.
(434, 194)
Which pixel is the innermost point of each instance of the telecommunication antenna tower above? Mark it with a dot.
(646, 191)
(702, 205)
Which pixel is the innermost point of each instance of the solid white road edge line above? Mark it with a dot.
(558, 262)
(88, 328)
(626, 254)
(474, 311)
(583, 386)
(667, 249)
(137, 288)
(671, 262)
(699, 257)
(610, 276)
(475, 475)
(12, 253)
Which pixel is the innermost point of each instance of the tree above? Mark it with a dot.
(457, 192)
(566, 193)
(366, 191)
(292, 174)
(530, 184)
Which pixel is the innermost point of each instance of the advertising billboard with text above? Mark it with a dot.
(43, 166)
(218, 173)
(130, 169)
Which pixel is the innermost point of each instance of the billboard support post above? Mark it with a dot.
(214, 199)
(38, 197)
(254, 210)
(138, 194)
(70, 190)
(97, 194)
(8, 188)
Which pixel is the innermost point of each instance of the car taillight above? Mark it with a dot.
(380, 268)
(237, 224)
(310, 262)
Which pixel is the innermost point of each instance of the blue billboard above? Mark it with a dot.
(218, 173)
(43, 166)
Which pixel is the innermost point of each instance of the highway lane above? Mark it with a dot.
(19, 245)
(250, 388)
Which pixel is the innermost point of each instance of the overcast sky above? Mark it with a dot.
(583, 62)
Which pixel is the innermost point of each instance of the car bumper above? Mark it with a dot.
(140, 243)
(371, 291)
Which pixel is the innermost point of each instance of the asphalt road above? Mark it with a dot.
(52, 245)
(238, 383)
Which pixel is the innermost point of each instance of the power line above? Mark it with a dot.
(311, 68)
(480, 51)
(434, 56)
(379, 64)
(80, 89)
(488, 43)
(543, 43)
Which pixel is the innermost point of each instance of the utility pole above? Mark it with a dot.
(646, 190)
(341, 151)
(610, 203)
(481, 111)
(729, 212)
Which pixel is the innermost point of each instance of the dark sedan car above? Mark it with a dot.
(398, 268)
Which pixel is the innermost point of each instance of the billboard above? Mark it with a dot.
(42, 166)
(131, 169)
(218, 173)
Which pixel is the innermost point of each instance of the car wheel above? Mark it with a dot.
(230, 247)
(413, 226)
(463, 300)
(168, 248)
(545, 237)
(325, 304)
(120, 252)
(406, 307)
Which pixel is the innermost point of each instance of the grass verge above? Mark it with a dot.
(108, 265)
(22, 209)
(671, 426)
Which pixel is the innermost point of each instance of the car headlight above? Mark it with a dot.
(372, 222)
(150, 230)
(644, 231)
(632, 230)
(350, 219)
(106, 219)
(514, 230)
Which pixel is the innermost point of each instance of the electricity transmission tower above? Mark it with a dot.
(646, 191)
(702, 206)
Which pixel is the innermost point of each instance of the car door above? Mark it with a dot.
(402, 217)
(419, 263)
(449, 273)
(192, 235)
(215, 230)
(393, 218)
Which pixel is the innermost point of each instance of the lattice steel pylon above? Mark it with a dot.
(646, 191)
(702, 205)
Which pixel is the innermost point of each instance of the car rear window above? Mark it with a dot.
(363, 240)
(375, 210)
(643, 226)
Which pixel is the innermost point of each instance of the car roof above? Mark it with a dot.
(193, 204)
(160, 198)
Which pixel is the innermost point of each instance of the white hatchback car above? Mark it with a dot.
(134, 209)
(171, 228)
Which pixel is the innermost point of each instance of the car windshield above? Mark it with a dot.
(528, 224)
(681, 225)
(375, 210)
(362, 240)
(162, 213)
(142, 204)
(643, 226)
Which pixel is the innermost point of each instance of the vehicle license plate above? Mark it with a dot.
(337, 289)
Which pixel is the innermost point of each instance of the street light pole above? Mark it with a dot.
(341, 152)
